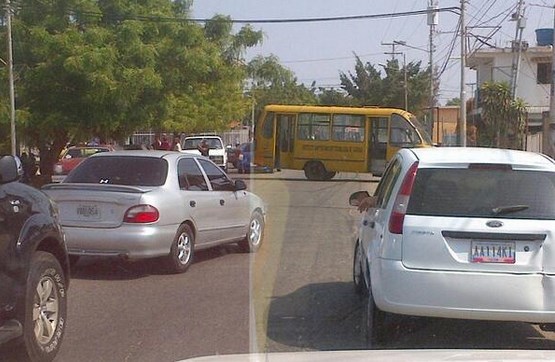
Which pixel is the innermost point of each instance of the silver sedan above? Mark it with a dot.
(142, 204)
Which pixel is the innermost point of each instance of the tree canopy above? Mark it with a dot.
(107, 68)
(369, 85)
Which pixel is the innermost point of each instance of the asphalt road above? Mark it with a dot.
(295, 294)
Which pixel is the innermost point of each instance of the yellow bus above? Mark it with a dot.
(324, 140)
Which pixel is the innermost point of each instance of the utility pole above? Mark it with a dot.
(517, 46)
(462, 117)
(10, 76)
(551, 139)
(432, 23)
(392, 45)
(405, 86)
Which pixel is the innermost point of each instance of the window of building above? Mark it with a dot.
(544, 73)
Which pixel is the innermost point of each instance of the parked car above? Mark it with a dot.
(72, 156)
(216, 153)
(34, 269)
(458, 233)
(144, 204)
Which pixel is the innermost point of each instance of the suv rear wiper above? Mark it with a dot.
(508, 209)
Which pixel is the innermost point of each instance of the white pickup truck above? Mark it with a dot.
(216, 153)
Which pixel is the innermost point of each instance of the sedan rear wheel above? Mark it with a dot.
(182, 250)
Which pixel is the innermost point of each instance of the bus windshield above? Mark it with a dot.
(423, 133)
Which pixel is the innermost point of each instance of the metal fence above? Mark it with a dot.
(233, 137)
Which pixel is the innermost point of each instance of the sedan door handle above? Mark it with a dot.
(222, 202)
(193, 203)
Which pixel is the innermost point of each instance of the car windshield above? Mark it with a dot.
(83, 152)
(131, 171)
(482, 192)
(193, 143)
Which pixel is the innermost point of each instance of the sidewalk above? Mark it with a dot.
(298, 175)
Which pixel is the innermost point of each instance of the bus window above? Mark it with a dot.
(313, 126)
(402, 133)
(268, 127)
(348, 127)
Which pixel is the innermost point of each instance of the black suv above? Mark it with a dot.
(34, 269)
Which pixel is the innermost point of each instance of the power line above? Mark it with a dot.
(451, 9)
(328, 59)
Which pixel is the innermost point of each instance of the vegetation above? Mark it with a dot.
(368, 86)
(503, 119)
(102, 68)
(272, 83)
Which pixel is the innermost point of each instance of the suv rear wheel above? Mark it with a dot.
(45, 308)
(373, 322)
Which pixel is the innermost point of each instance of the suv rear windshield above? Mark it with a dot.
(500, 193)
(121, 170)
(192, 143)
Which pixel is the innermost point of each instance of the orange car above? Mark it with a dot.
(73, 156)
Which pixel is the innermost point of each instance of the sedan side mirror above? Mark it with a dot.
(357, 197)
(240, 185)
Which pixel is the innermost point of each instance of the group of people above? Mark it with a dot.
(163, 144)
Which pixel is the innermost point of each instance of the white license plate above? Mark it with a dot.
(88, 212)
(493, 252)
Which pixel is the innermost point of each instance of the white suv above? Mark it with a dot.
(463, 233)
(217, 152)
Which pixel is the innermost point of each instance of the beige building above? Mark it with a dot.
(444, 130)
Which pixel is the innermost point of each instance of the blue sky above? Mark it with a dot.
(319, 51)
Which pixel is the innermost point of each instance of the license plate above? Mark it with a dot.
(493, 252)
(88, 212)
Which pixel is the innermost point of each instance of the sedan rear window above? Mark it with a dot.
(476, 192)
(121, 170)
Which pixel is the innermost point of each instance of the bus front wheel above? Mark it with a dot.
(316, 171)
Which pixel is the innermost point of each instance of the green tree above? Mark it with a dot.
(503, 119)
(333, 97)
(272, 83)
(453, 102)
(368, 86)
(107, 68)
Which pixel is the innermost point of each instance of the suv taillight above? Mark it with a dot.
(141, 214)
(401, 201)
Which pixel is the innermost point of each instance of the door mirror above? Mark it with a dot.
(240, 185)
(10, 169)
(357, 197)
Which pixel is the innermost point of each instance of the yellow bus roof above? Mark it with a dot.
(373, 110)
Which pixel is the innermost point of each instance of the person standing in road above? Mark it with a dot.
(176, 144)
(203, 148)
(157, 143)
(165, 145)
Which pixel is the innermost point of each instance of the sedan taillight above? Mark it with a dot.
(141, 214)
(402, 201)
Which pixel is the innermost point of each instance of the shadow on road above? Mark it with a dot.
(321, 316)
(97, 268)
(328, 316)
